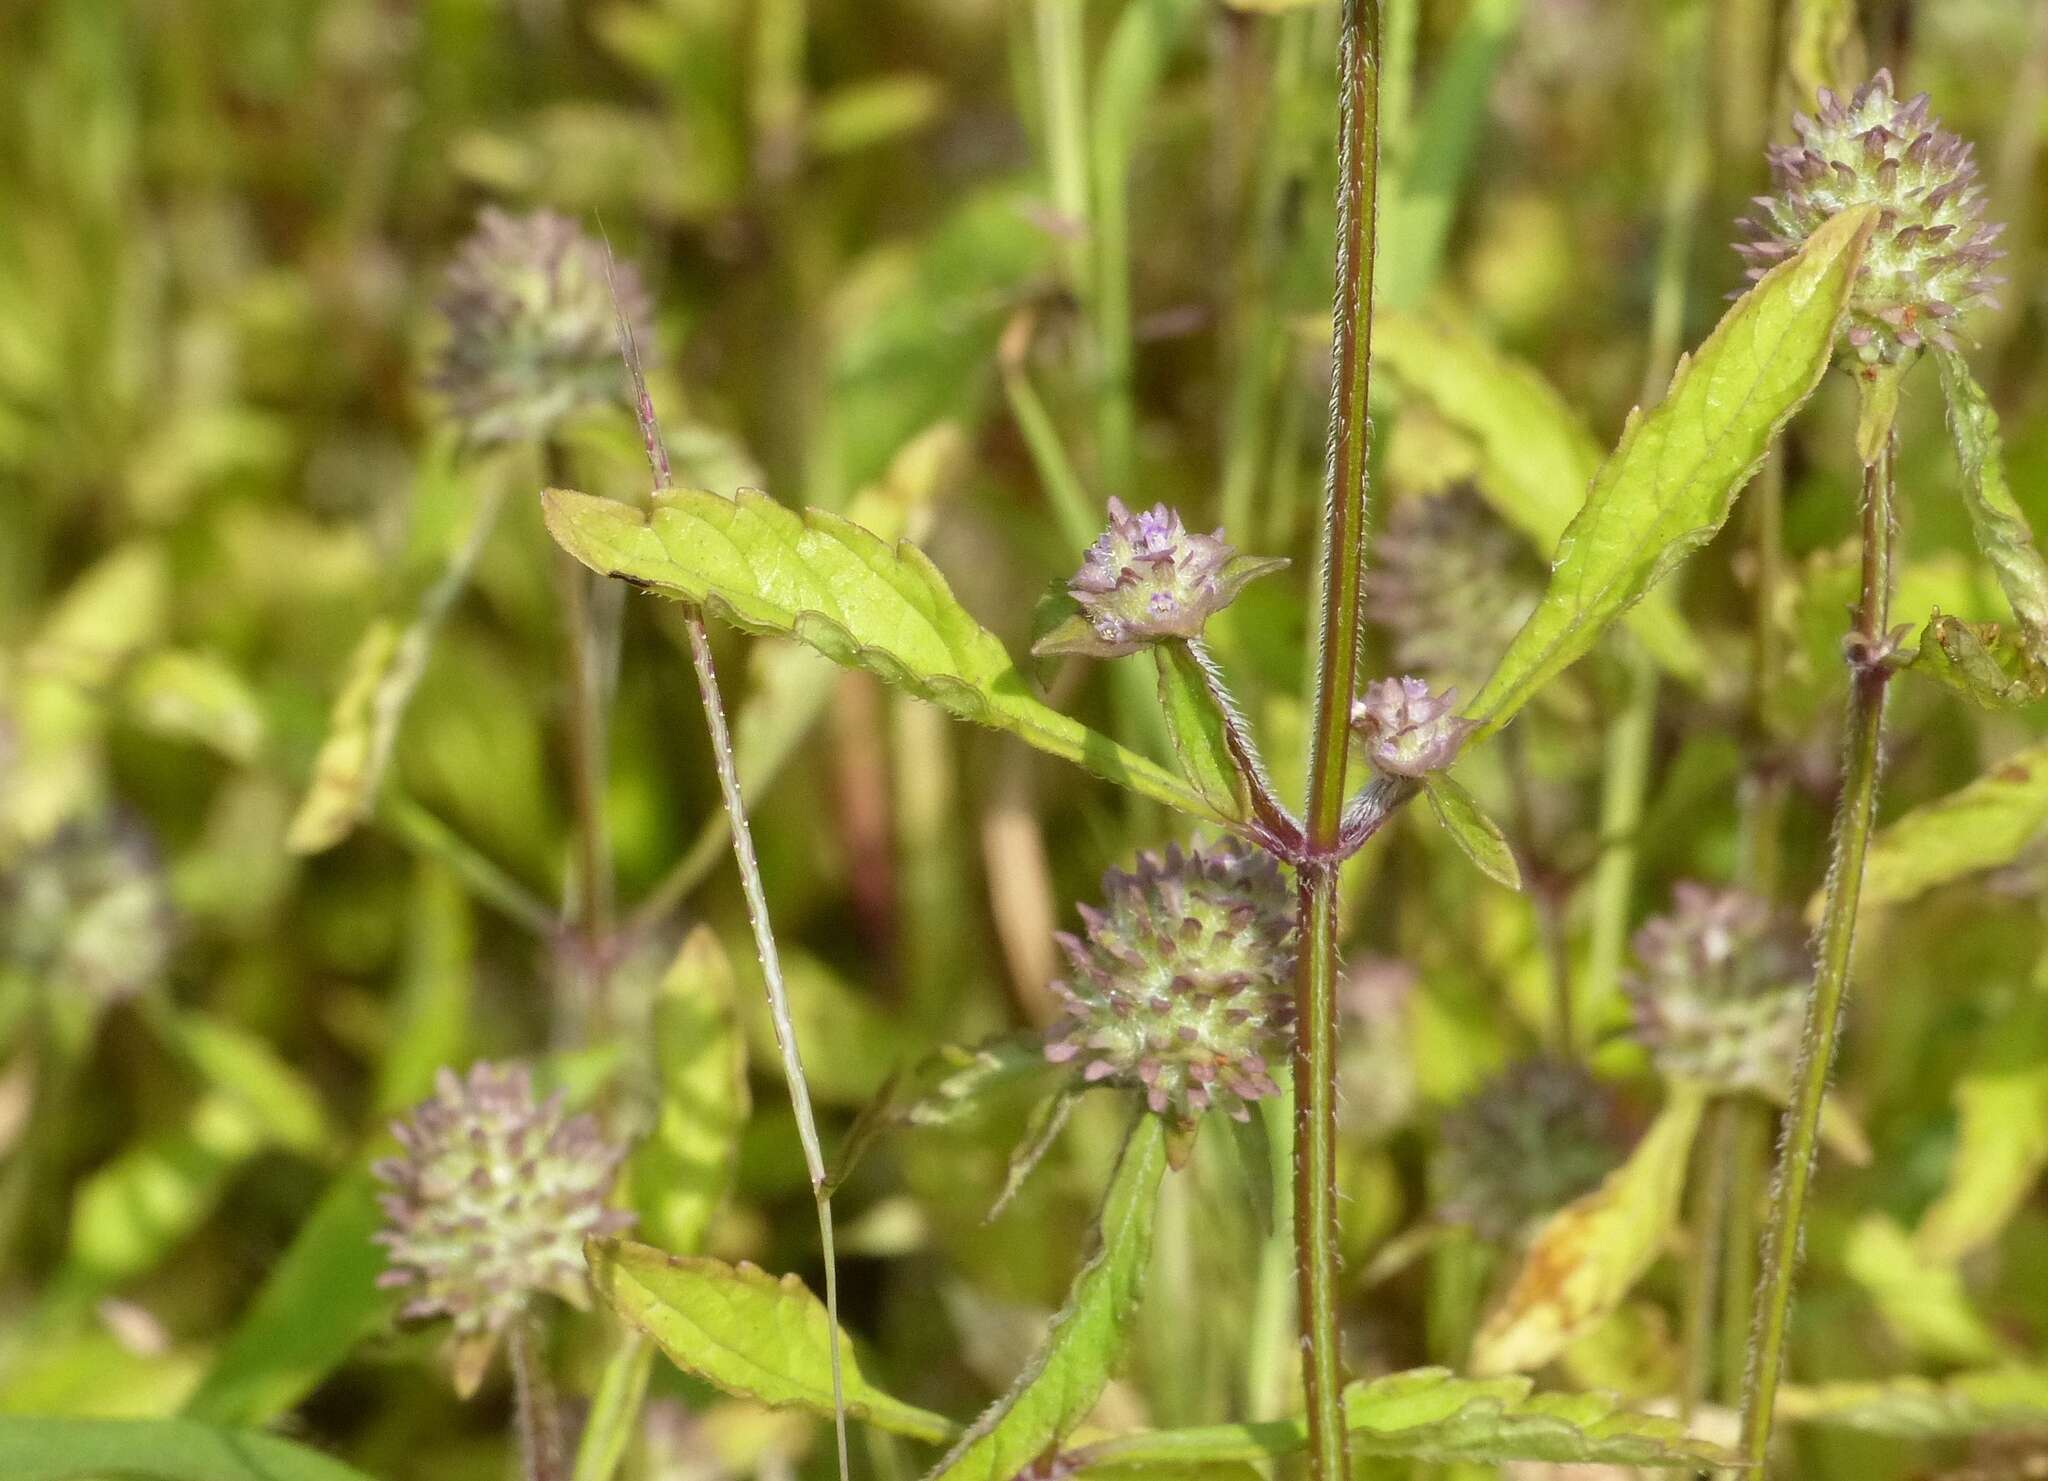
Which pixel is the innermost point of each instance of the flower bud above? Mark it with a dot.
(1407, 730)
(1929, 256)
(1720, 990)
(532, 326)
(1525, 1144)
(1181, 986)
(1147, 580)
(491, 1200)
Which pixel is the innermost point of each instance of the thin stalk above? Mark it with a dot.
(425, 832)
(1869, 676)
(1062, 87)
(536, 1411)
(1315, 1049)
(1624, 787)
(1710, 1224)
(1752, 1137)
(756, 896)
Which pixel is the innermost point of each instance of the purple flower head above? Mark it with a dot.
(1930, 256)
(490, 1202)
(1180, 988)
(1719, 989)
(1408, 730)
(1147, 579)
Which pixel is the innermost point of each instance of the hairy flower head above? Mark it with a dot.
(1929, 257)
(1526, 1143)
(1719, 989)
(1408, 730)
(532, 326)
(1451, 584)
(491, 1200)
(1181, 986)
(1148, 579)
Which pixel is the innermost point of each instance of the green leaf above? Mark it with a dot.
(242, 1067)
(2001, 1134)
(1982, 825)
(1923, 1303)
(1433, 1415)
(196, 696)
(1195, 724)
(155, 1450)
(1476, 835)
(615, 1408)
(1087, 1339)
(1995, 516)
(1536, 459)
(826, 582)
(1589, 1255)
(748, 1333)
(1669, 484)
(1912, 1407)
(1987, 665)
(681, 1173)
(318, 1301)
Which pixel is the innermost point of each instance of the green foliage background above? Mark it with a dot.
(879, 292)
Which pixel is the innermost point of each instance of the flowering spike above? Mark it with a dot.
(1878, 151)
(1719, 990)
(1147, 579)
(533, 333)
(1192, 1030)
(478, 1223)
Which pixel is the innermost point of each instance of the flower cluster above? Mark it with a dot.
(1526, 1143)
(1181, 985)
(533, 328)
(1719, 991)
(490, 1203)
(1451, 584)
(88, 911)
(1930, 253)
(1408, 730)
(1147, 579)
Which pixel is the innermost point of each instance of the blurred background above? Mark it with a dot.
(965, 268)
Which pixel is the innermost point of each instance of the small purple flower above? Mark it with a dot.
(1181, 985)
(491, 1200)
(1147, 579)
(1929, 258)
(1409, 731)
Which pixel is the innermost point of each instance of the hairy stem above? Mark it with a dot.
(1315, 1050)
(535, 1410)
(1869, 675)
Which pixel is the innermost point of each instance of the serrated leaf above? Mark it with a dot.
(1536, 459)
(681, 1173)
(1195, 725)
(156, 1450)
(828, 583)
(2001, 1135)
(748, 1333)
(1433, 1415)
(1087, 1338)
(1477, 836)
(1670, 482)
(1912, 1407)
(1995, 516)
(1589, 1255)
(1981, 825)
(1922, 1302)
(1986, 664)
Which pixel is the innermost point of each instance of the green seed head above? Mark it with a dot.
(1181, 987)
(1720, 988)
(1525, 1144)
(490, 1203)
(1930, 255)
(532, 327)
